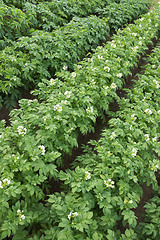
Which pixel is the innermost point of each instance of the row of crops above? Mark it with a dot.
(106, 184)
(28, 60)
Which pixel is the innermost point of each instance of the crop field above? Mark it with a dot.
(79, 120)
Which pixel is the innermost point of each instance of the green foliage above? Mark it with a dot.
(39, 56)
(110, 182)
(13, 24)
(48, 15)
(105, 187)
(124, 12)
(150, 228)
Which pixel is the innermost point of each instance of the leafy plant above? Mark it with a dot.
(105, 187)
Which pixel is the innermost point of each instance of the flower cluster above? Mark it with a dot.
(87, 175)
(147, 137)
(156, 83)
(148, 111)
(65, 67)
(134, 152)
(42, 148)
(119, 75)
(109, 183)
(126, 201)
(4, 182)
(52, 82)
(22, 130)
(154, 139)
(58, 108)
(73, 74)
(107, 68)
(29, 102)
(67, 94)
(72, 215)
(89, 110)
(21, 216)
(113, 85)
(113, 135)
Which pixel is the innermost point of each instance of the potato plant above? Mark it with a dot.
(13, 24)
(106, 184)
(42, 132)
(124, 12)
(39, 56)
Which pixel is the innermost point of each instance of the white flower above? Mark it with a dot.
(113, 85)
(52, 82)
(73, 74)
(134, 34)
(154, 139)
(119, 75)
(93, 82)
(107, 68)
(64, 102)
(135, 48)
(87, 175)
(148, 111)
(156, 83)
(1, 184)
(75, 214)
(29, 102)
(22, 217)
(6, 181)
(65, 67)
(100, 57)
(147, 137)
(134, 152)
(140, 25)
(21, 130)
(156, 25)
(113, 135)
(109, 183)
(42, 148)
(113, 45)
(69, 215)
(158, 112)
(18, 211)
(105, 87)
(133, 117)
(130, 201)
(89, 110)
(67, 94)
(79, 66)
(57, 108)
(140, 42)
(141, 19)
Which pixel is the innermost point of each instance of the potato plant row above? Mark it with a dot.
(105, 187)
(42, 132)
(125, 11)
(43, 15)
(28, 61)
(13, 24)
